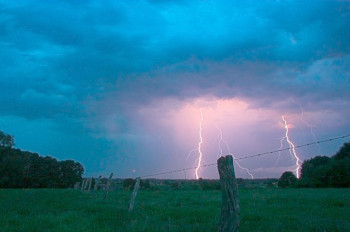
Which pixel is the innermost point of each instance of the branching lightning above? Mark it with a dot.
(280, 148)
(221, 140)
(311, 126)
(292, 148)
(199, 160)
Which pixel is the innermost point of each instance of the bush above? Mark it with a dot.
(144, 184)
(288, 179)
(129, 183)
(209, 184)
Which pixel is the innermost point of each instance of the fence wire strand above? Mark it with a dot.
(249, 156)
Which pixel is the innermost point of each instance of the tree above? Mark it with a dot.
(22, 169)
(70, 172)
(11, 168)
(6, 140)
(323, 171)
(344, 152)
(287, 179)
(314, 172)
(339, 174)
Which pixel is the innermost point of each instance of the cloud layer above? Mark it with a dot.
(104, 75)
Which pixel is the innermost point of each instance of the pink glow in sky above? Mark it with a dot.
(247, 129)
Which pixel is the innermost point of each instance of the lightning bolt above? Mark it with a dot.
(221, 140)
(199, 160)
(279, 153)
(311, 126)
(292, 148)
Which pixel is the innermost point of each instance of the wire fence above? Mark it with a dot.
(248, 156)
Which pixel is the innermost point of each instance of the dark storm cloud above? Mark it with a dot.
(164, 49)
(113, 38)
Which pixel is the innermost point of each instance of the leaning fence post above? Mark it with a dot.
(97, 183)
(230, 213)
(108, 184)
(134, 193)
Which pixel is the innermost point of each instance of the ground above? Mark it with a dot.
(58, 210)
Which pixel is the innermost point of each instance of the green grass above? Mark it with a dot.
(261, 210)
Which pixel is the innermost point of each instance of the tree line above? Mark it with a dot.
(322, 171)
(23, 169)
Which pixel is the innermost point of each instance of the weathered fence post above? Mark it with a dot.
(86, 183)
(108, 184)
(134, 193)
(230, 213)
(77, 185)
(82, 185)
(90, 183)
(97, 183)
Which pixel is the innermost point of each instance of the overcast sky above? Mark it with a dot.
(120, 85)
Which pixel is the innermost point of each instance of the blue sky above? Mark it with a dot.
(119, 85)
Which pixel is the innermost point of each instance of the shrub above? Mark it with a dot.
(288, 179)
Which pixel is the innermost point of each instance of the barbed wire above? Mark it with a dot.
(296, 146)
(249, 156)
(178, 170)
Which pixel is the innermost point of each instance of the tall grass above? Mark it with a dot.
(58, 210)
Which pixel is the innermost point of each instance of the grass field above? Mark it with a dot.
(180, 210)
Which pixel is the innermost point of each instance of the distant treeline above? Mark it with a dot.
(322, 171)
(22, 169)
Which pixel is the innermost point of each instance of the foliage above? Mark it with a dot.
(6, 140)
(175, 186)
(287, 179)
(322, 171)
(70, 173)
(145, 184)
(343, 153)
(21, 169)
(129, 183)
(62, 210)
(209, 184)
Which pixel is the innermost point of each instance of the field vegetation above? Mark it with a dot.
(269, 209)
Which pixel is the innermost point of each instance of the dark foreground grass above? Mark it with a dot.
(264, 210)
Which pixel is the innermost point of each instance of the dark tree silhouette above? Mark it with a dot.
(22, 169)
(70, 173)
(6, 140)
(344, 152)
(323, 171)
(287, 179)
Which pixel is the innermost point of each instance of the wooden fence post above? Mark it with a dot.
(108, 184)
(86, 183)
(230, 212)
(90, 183)
(97, 183)
(82, 185)
(134, 193)
(77, 185)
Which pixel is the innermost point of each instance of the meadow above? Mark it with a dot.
(58, 210)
